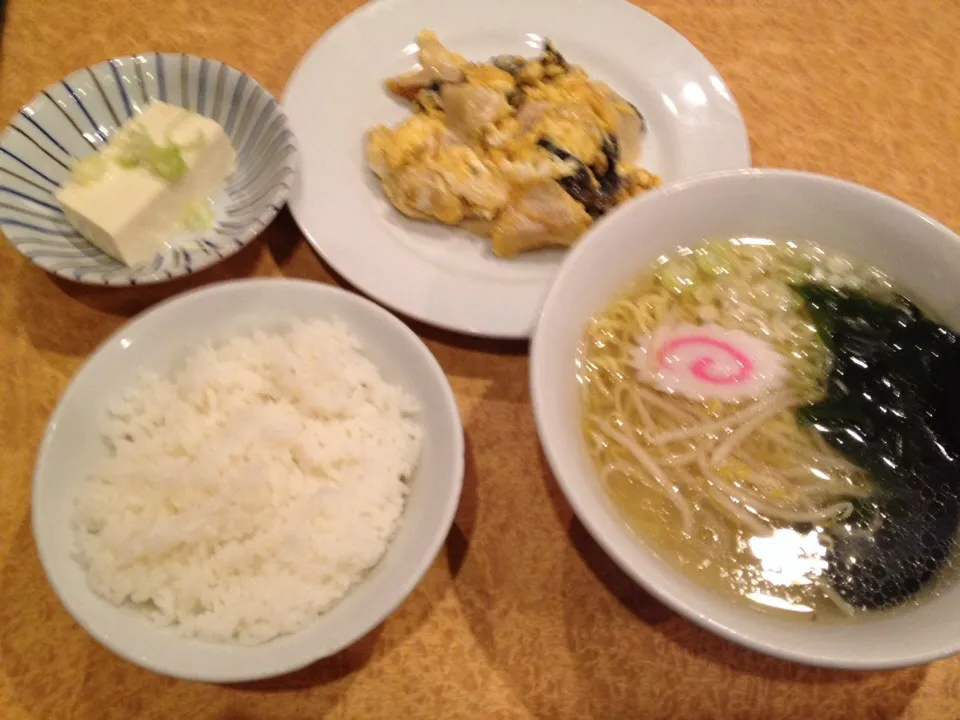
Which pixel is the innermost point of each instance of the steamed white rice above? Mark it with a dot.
(247, 493)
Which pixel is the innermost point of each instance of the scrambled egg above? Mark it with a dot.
(526, 152)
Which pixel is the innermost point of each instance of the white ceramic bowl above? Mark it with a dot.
(920, 254)
(77, 115)
(155, 340)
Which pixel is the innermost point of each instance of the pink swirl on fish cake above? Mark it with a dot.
(706, 362)
(701, 366)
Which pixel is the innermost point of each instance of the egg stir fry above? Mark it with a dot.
(527, 152)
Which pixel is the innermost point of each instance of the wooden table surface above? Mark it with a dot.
(522, 615)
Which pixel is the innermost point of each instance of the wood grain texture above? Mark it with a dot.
(522, 616)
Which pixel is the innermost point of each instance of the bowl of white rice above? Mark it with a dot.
(246, 479)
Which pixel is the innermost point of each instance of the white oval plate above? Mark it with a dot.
(438, 274)
(157, 340)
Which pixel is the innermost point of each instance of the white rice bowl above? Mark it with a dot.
(247, 494)
(282, 463)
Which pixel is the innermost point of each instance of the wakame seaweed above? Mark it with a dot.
(892, 407)
(593, 189)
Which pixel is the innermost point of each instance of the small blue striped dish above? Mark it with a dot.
(76, 116)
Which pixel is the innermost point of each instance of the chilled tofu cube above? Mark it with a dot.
(130, 212)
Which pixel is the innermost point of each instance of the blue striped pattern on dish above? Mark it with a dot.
(74, 117)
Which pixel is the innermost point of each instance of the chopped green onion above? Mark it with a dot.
(167, 163)
(138, 149)
(198, 216)
(678, 275)
(134, 147)
(89, 170)
(714, 258)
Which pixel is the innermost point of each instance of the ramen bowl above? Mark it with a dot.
(919, 255)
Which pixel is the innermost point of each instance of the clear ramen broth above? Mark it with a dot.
(730, 407)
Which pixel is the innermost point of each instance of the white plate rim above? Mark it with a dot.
(453, 293)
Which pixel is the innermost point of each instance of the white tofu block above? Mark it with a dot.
(130, 213)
